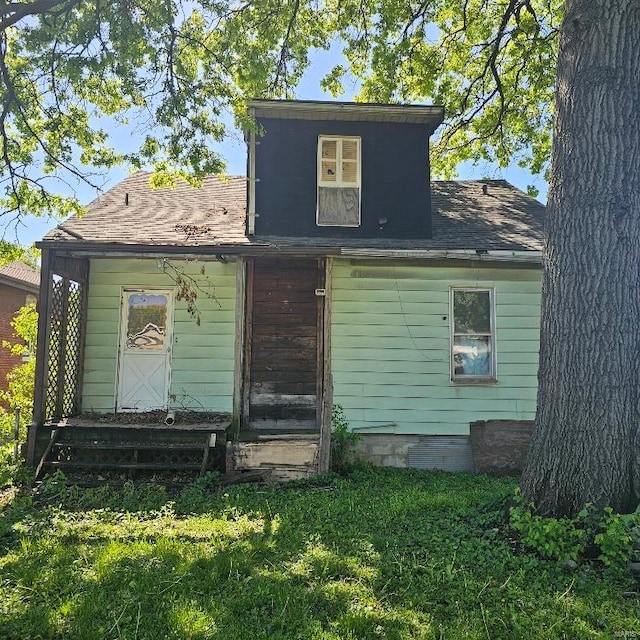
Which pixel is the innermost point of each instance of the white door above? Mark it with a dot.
(145, 349)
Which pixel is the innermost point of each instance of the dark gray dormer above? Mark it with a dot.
(343, 170)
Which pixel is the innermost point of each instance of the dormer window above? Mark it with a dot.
(338, 181)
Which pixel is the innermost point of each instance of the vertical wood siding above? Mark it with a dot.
(390, 347)
(284, 344)
(203, 356)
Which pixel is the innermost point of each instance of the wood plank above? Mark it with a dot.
(246, 377)
(285, 319)
(283, 377)
(266, 341)
(274, 293)
(289, 367)
(43, 460)
(284, 353)
(281, 412)
(276, 331)
(238, 347)
(42, 349)
(291, 386)
(160, 466)
(279, 307)
(130, 446)
(283, 425)
(205, 453)
(289, 453)
(291, 399)
(285, 264)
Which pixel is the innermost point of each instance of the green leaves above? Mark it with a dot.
(176, 71)
(175, 75)
(492, 65)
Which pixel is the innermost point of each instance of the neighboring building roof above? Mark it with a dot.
(475, 215)
(21, 275)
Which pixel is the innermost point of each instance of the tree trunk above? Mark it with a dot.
(585, 445)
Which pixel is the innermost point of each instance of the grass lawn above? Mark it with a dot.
(379, 554)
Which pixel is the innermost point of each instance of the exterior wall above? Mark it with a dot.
(390, 347)
(395, 179)
(202, 361)
(11, 300)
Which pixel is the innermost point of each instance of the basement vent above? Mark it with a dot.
(444, 453)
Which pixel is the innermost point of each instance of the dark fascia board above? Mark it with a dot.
(431, 115)
(96, 248)
(115, 250)
(19, 284)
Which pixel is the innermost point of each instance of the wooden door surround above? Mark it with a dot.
(284, 345)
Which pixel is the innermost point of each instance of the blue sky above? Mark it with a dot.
(32, 229)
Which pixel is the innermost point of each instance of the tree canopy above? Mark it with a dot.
(169, 72)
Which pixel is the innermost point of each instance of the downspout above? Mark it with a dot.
(42, 350)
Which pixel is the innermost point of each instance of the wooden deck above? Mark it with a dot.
(222, 426)
(92, 446)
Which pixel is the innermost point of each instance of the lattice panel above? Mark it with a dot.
(171, 457)
(56, 319)
(73, 337)
(66, 316)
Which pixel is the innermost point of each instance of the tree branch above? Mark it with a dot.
(15, 11)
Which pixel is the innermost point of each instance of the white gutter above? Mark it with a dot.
(532, 257)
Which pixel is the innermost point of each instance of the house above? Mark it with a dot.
(19, 284)
(335, 272)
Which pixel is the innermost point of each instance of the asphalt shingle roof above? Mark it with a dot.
(474, 214)
(21, 272)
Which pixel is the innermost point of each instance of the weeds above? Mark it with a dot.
(343, 440)
(613, 537)
(376, 553)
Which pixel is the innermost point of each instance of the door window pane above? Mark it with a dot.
(146, 321)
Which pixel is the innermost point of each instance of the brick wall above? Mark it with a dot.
(11, 299)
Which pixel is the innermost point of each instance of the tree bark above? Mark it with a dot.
(586, 445)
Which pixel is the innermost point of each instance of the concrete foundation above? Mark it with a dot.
(444, 453)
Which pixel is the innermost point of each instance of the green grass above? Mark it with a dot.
(380, 554)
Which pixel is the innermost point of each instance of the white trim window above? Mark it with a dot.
(338, 181)
(473, 352)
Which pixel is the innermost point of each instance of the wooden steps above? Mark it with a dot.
(158, 466)
(285, 456)
(133, 448)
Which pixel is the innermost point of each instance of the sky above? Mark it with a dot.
(234, 151)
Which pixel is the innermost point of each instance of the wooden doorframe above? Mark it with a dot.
(248, 333)
(325, 391)
(323, 356)
(320, 284)
(239, 344)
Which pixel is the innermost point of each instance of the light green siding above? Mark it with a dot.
(203, 356)
(390, 341)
